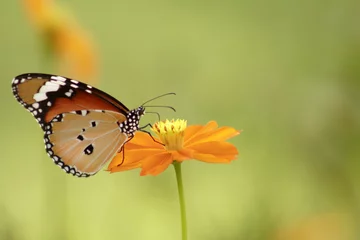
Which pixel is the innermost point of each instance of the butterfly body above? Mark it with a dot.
(83, 126)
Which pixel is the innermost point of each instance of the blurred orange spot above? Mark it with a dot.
(68, 42)
(328, 226)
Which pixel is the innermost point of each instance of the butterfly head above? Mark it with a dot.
(141, 111)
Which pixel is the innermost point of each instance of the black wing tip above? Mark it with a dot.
(27, 76)
(36, 74)
(31, 75)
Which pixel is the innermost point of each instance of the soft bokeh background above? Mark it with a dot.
(286, 72)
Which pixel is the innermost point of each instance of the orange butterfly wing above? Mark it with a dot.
(82, 125)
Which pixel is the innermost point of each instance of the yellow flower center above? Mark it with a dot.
(171, 133)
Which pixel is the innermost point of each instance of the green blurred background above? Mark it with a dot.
(286, 72)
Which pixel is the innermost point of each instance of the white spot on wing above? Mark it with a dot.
(59, 83)
(49, 87)
(39, 97)
(58, 78)
(74, 86)
(36, 105)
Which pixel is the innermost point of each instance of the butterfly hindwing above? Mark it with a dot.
(81, 142)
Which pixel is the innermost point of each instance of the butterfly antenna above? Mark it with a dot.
(152, 99)
(163, 106)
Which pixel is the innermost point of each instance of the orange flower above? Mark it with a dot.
(180, 143)
(63, 39)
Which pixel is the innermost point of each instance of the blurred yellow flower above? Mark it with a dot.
(66, 40)
(180, 143)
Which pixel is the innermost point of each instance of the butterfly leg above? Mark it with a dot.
(122, 149)
(142, 130)
(151, 136)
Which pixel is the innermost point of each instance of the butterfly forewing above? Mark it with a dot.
(46, 96)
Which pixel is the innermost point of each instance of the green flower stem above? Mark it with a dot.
(177, 166)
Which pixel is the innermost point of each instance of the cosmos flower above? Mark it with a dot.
(174, 141)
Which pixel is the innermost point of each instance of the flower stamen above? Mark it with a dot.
(171, 133)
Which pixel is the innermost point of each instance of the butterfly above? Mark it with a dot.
(84, 127)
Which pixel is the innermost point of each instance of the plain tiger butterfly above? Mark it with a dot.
(84, 127)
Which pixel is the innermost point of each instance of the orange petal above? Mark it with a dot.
(132, 157)
(190, 131)
(220, 134)
(156, 164)
(193, 132)
(182, 154)
(143, 140)
(214, 151)
(210, 125)
(122, 168)
(208, 158)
